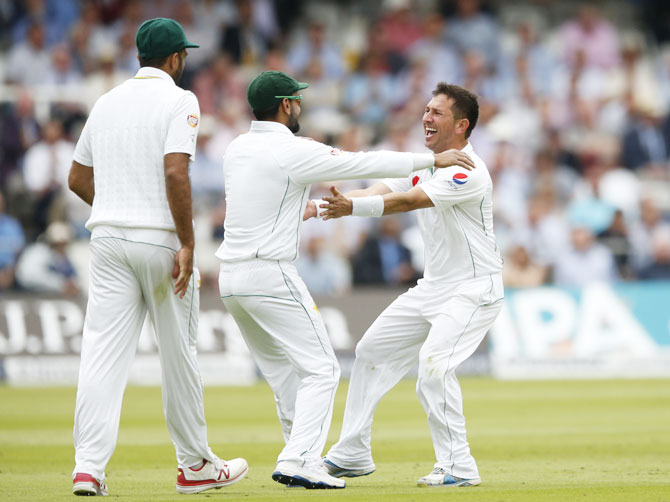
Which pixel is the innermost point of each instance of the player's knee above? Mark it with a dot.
(432, 373)
(327, 375)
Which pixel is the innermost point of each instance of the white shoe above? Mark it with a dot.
(290, 474)
(440, 477)
(211, 475)
(342, 472)
(85, 484)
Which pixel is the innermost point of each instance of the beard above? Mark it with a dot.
(292, 123)
(177, 76)
(179, 72)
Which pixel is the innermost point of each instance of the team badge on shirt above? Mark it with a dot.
(415, 180)
(192, 120)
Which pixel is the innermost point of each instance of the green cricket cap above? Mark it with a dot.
(160, 37)
(262, 91)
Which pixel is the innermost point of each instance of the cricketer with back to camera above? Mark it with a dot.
(131, 164)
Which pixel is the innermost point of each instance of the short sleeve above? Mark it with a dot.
(83, 153)
(398, 184)
(454, 185)
(182, 130)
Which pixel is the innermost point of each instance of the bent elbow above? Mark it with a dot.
(72, 182)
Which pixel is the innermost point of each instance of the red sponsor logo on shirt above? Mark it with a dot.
(415, 180)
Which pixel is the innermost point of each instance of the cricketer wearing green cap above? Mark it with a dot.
(162, 43)
(268, 90)
(268, 173)
(160, 37)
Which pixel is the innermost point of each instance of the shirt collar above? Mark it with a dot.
(151, 72)
(269, 126)
(467, 148)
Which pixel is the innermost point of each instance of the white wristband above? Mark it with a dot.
(319, 210)
(422, 161)
(367, 206)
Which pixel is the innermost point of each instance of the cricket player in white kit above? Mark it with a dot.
(131, 164)
(268, 172)
(442, 320)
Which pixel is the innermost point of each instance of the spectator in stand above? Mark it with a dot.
(659, 268)
(617, 240)
(323, 117)
(56, 15)
(62, 72)
(18, 132)
(243, 39)
(87, 37)
(471, 29)
(529, 65)
(383, 259)
(646, 142)
(591, 35)
(28, 61)
(45, 172)
(520, 271)
(232, 120)
(399, 137)
(12, 241)
(630, 84)
(369, 93)
(206, 172)
(545, 230)
(324, 273)
(127, 60)
(219, 83)
(105, 76)
(480, 78)
(586, 261)
(549, 173)
(315, 48)
(642, 233)
(44, 267)
(399, 30)
(443, 63)
(196, 27)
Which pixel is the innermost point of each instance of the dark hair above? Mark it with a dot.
(154, 62)
(465, 104)
(268, 113)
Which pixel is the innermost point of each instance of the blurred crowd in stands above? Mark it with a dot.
(574, 124)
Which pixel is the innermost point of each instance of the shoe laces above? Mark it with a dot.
(439, 470)
(220, 464)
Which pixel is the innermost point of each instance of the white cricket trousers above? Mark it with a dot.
(288, 341)
(441, 325)
(127, 279)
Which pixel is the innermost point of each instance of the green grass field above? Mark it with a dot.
(533, 441)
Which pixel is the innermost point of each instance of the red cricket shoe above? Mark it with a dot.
(85, 484)
(211, 475)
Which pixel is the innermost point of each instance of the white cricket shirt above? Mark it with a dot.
(458, 232)
(268, 173)
(129, 131)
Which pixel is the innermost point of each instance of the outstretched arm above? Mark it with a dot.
(378, 188)
(393, 202)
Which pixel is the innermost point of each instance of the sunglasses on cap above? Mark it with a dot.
(298, 97)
